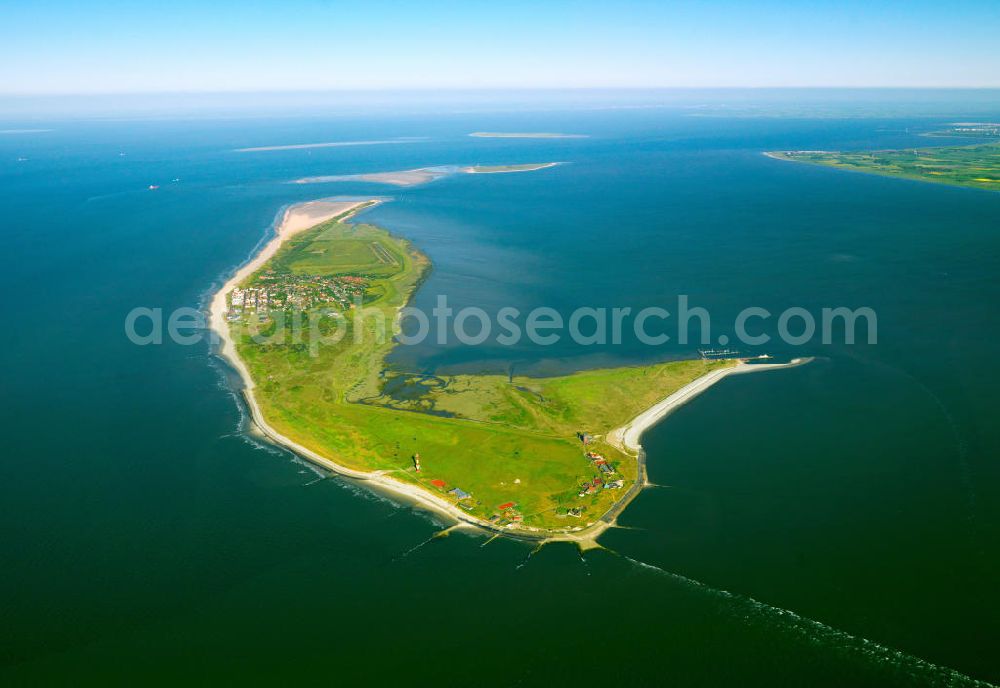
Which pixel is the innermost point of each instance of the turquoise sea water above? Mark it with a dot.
(835, 524)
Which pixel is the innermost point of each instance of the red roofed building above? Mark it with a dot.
(507, 505)
(438, 483)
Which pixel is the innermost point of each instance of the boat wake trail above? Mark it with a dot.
(817, 633)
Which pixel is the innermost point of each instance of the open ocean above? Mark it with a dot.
(833, 524)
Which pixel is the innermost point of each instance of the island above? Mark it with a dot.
(495, 169)
(543, 458)
(976, 166)
(420, 175)
(423, 175)
(330, 144)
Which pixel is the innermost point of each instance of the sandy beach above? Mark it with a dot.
(421, 175)
(627, 437)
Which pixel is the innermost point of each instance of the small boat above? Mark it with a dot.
(154, 187)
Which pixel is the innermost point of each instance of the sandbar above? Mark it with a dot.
(525, 135)
(423, 175)
(329, 144)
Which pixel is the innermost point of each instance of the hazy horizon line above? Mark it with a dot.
(492, 89)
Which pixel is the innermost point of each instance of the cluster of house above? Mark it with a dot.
(463, 498)
(600, 483)
(984, 130)
(241, 300)
(281, 291)
(507, 515)
(600, 462)
(589, 487)
(594, 486)
(459, 494)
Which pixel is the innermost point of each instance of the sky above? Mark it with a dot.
(59, 47)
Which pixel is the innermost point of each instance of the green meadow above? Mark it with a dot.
(974, 166)
(496, 438)
(342, 249)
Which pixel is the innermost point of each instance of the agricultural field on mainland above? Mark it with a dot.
(973, 166)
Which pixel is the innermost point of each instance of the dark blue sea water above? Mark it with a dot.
(834, 524)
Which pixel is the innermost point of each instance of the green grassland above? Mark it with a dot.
(973, 166)
(593, 400)
(499, 439)
(342, 249)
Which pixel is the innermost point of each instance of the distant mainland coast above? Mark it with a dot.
(975, 166)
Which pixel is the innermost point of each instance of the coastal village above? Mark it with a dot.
(508, 514)
(274, 291)
(975, 129)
